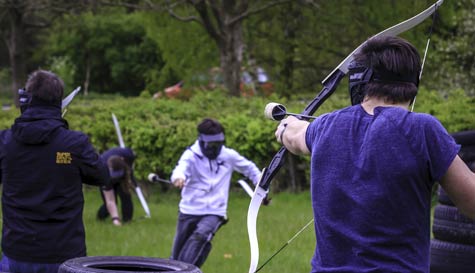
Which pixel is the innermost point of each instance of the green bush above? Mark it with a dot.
(160, 130)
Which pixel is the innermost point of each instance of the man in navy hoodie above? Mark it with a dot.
(43, 165)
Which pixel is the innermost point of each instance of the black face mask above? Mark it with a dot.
(211, 149)
(358, 75)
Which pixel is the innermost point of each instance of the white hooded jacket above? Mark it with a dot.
(207, 181)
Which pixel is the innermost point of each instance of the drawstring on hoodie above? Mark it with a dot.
(218, 163)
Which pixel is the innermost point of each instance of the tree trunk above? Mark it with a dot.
(292, 174)
(88, 77)
(231, 49)
(16, 50)
(292, 25)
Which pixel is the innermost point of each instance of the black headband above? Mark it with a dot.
(383, 75)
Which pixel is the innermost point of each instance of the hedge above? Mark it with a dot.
(159, 130)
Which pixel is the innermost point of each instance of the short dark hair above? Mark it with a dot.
(45, 86)
(210, 126)
(391, 55)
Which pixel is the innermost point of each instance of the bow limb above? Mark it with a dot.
(138, 191)
(329, 86)
(257, 197)
(391, 31)
(117, 130)
(66, 101)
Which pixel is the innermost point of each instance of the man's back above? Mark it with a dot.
(43, 165)
(371, 185)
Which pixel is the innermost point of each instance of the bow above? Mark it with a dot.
(329, 86)
(137, 188)
(66, 101)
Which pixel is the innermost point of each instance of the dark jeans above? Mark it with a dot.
(9, 265)
(126, 204)
(192, 242)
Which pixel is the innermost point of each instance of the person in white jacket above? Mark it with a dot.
(204, 173)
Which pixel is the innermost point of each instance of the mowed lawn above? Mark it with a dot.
(153, 237)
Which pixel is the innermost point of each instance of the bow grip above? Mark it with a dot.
(273, 168)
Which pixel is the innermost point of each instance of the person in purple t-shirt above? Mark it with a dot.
(373, 165)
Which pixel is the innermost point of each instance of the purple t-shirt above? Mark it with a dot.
(371, 188)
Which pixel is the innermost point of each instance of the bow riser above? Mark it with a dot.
(279, 158)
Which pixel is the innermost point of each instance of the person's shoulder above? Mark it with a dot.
(228, 152)
(121, 151)
(191, 152)
(73, 138)
(5, 134)
(345, 111)
(423, 118)
(5, 137)
(323, 119)
(401, 114)
(68, 134)
(419, 122)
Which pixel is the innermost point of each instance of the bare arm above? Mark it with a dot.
(291, 133)
(459, 184)
(111, 205)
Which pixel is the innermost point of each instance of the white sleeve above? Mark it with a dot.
(246, 167)
(182, 168)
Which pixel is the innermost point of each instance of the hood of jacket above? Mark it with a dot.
(195, 148)
(37, 124)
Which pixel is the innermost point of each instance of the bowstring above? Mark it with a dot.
(284, 245)
(434, 15)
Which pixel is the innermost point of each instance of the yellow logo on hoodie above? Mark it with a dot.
(63, 158)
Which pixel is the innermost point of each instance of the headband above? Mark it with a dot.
(211, 138)
(382, 75)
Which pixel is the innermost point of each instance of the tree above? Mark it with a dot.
(454, 48)
(187, 51)
(223, 22)
(20, 21)
(300, 45)
(109, 50)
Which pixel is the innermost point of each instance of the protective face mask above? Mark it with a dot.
(211, 149)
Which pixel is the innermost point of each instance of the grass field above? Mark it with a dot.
(153, 237)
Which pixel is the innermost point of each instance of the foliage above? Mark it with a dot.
(297, 43)
(455, 111)
(5, 84)
(160, 130)
(454, 47)
(7, 117)
(300, 45)
(112, 47)
(185, 48)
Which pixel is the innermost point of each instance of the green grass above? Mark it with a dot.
(153, 237)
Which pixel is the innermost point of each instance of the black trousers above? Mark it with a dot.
(192, 243)
(126, 205)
